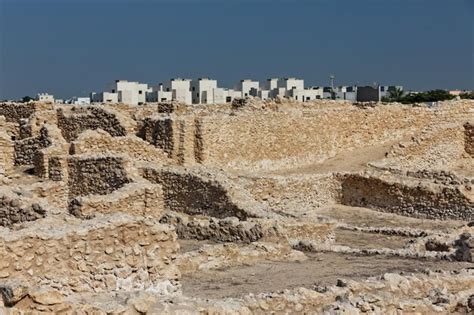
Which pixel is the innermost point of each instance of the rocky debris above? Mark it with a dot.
(14, 211)
(12, 291)
(229, 229)
(464, 246)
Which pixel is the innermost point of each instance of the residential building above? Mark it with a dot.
(248, 88)
(202, 91)
(374, 93)
(81, 100)
(45, 97)
(133, 93)
(104, 97)
(159, 94)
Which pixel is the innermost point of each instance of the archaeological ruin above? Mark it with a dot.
(255, 207)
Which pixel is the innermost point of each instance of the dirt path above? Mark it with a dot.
(320, 269)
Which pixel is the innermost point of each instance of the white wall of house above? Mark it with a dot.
(45, 97)
(181, 90)
(81, 100)
(306, 95)
(104, 97)
(202, 91)
(271, 84)
(291, 83)
(133, 93)
(246, 86)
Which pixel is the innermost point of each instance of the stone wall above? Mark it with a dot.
(277, 138)
(7, 154)
(118, 253)
(98, 174)
(199, 193)
(407, 197)
(101, 142)
(26, 149)
(92, 118)
(13, 112)
(143, 199)
(469, 138)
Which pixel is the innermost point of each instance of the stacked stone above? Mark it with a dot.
(26, 149)
(13, 112)
(95, 174)
(12, 211)
(95, 118)
(112, 253)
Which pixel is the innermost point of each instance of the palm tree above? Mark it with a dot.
(395, 94)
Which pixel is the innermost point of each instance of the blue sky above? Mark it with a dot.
(70, 48)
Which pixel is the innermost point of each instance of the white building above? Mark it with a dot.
(306, 95)
(45, 97)
(181, 90)
(291, 83)
(159, 94)
(248, 88)
(104, 97)
(133, 93)
(81, 100)
(202, 91)
(271, 84)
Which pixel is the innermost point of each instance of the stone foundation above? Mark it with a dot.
(114, 253)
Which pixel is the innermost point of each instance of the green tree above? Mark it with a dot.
(395, 95)
(26, 99)
(467, 95)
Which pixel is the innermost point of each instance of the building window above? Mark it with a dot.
(194, 88)
(382, 88)
(167, 89)
(197, 94)
(308, 98)
(140, 92)
(113, 91)
(296, 97)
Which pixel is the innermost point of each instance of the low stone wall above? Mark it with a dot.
(198, 193)
(115, 253)
(92, 118)
(101, 142)
(96, 175)
(13, 112)
(142, 199)
(407, 197)
(469, 138)
(7, 154)
(293, 194)
(26, 149)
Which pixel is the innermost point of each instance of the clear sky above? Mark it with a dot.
(72, 47)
